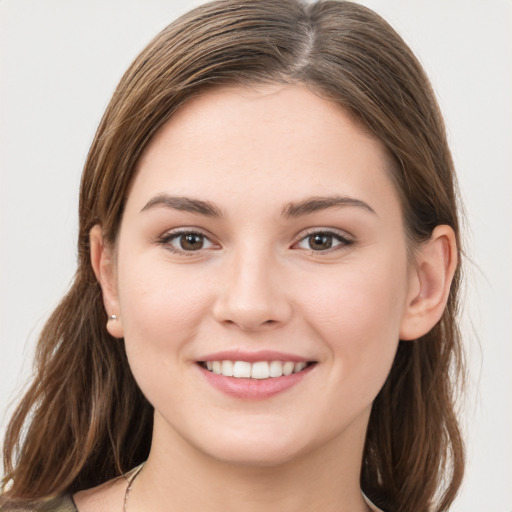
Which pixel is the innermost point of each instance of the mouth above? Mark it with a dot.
(254, 375)
(258, 370)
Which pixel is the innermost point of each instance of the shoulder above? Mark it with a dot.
(63, 503)
(103, 498)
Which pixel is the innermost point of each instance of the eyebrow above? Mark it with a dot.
(185, 204)
(293, 209)
(315, 204)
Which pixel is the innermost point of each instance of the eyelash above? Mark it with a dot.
(344, 241)
(168, 238)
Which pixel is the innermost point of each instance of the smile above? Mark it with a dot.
(254, 375)
(254, 370)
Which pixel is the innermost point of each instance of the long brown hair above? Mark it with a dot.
(84, 420)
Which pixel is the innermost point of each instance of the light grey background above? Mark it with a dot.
(59, 63)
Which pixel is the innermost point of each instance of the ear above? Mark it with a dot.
(103, 264)
(430, 283)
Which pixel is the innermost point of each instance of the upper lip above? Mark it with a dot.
(252, 357)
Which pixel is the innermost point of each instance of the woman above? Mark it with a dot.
(269, 233)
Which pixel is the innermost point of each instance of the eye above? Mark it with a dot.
(186, 241)
(323, 241)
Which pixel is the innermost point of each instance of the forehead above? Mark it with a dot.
(272, 143)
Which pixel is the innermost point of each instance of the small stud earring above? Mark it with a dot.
(113, 317)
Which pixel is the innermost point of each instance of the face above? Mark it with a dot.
(262, 236)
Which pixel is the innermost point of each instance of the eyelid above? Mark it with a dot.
(166, 238)
(343, 237)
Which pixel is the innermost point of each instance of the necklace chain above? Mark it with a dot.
(138, 469)
(130, 485)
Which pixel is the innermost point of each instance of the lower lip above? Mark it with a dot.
(254, 389)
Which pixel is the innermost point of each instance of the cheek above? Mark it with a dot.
(357, 315)
(161, 312)
(160, 307)
(363, 297)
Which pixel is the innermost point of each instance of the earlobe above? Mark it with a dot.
(430, 282)
(103, 264)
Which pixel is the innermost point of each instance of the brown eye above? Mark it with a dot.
(191, 241)
(323, 241)
(186, 242)
(320, 241)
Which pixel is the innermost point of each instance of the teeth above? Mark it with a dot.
(275, 369)
(241, 369)
(260, 370)
(299, 367)
(257, 370)
(288, 368)
(227, 368)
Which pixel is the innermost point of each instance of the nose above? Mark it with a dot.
(252, 294)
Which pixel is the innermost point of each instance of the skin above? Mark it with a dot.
(258, 283)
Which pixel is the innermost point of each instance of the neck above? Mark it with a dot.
(179, 477)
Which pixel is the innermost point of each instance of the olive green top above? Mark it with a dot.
(63, 503)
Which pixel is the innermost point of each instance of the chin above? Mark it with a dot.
(261, 446)
(254, 456)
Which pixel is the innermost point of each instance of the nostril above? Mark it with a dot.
(251, 324)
